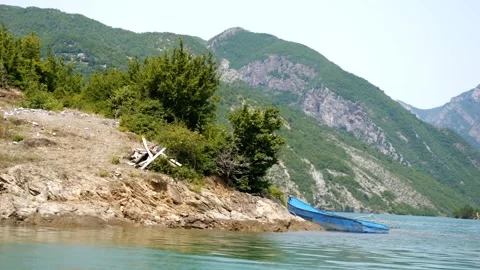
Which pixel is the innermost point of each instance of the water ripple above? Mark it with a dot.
(419, 243)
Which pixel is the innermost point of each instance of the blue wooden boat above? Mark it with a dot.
(332, 222)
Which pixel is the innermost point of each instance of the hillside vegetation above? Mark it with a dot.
(170, 99)
(373, 156)
(91, 45)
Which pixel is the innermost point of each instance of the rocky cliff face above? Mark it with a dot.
(335, 111)
(278, 73)
(373, 181)
(461, 114)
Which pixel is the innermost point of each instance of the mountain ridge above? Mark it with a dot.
(91, 44)
(461, 114)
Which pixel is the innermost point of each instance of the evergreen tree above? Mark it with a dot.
(255, 144)
(101, 88)
(10, 59)
(185, 84)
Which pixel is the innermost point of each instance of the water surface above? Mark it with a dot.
(413, 243)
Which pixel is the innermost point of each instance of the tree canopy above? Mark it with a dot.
(184, 83)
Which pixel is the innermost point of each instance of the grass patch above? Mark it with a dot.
(4, 130)
(17, 122)
(115, 160)
(14, 158)
(103, 174)
(17, 138)
(133, 174)
(196, 186)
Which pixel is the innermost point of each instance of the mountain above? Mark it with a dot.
(349, 146)
(91, 44)
(461, 114)
(308, 82)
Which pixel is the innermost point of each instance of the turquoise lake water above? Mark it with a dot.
(413, 243)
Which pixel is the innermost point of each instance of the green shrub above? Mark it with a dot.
(17, 138)
(181, 173)
(124, 100)
(188, 147)
(466, 211)
(187, 174)
(277, 194)
(38, 98)
(145, 118)
(101, 87)
(161, 165)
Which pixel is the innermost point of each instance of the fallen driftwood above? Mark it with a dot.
(151, 159)
(146, 147)
(142, 157)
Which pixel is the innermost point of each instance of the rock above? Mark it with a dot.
(6, 206)
(217, 216)
(290, 76)
(175, 195)
(56, 192)
(201, 205)
(109, 214)
(104, 193)
(53, 208)
(335, 111)
(25, 212)
(235, 215)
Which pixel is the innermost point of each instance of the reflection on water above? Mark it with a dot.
(140, 248)
(417, 243)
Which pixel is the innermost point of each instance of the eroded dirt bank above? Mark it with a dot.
(63, 174)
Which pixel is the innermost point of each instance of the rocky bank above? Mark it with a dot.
(64, 173)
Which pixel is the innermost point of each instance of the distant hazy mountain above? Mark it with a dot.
(349, 146)
(461, 114)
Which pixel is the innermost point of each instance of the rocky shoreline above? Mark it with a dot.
(62, 174)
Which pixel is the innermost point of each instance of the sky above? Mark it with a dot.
(422, 52)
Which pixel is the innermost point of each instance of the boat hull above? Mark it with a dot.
(332, 222)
